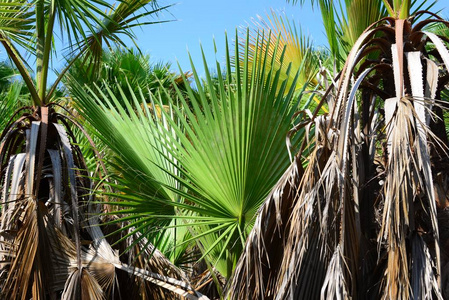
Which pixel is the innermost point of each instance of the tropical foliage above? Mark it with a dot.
(127, 69)
(368, 218)
(50, 244)
(286, 173)
(11, 93)
(291, 50)
(205, 165)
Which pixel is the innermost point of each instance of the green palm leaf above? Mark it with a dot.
(16, 21)
(85, 24)
(118, 21)
(8, 104)
(209, 161)
(233, 151)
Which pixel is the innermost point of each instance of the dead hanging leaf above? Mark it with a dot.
(363, 219)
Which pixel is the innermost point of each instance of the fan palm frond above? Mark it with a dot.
(365, 220)
(297, 55)
(207, 162)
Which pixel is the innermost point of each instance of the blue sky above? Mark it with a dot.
(202, 21)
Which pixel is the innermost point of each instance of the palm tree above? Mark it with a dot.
(205, 164)
(125, 68)
(367, 217)
(49, 248)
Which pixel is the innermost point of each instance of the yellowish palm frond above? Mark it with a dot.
(289, 50)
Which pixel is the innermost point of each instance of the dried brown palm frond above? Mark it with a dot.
(208, 282)
(144, 255)
(36, 161)
(50, 244)
(367, 217)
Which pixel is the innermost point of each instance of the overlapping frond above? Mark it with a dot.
(277, 33)
(367, 218)
(16, 22)
(50, 243)
(115, 23)
(207, 161)
(10, 99)
(28, 28)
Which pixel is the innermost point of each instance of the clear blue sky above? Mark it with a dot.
(202, 21)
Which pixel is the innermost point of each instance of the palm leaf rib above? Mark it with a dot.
(367, 210)
(206, 162)
(34, 223)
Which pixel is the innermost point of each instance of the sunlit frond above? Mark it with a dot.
(278, 38)
(207, 161)
(367, 212)
(116, 24)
